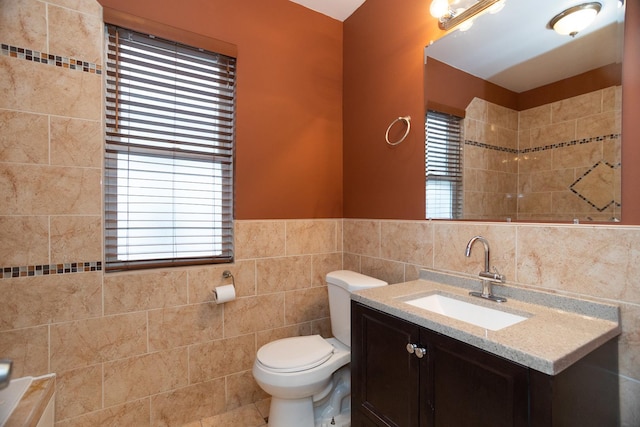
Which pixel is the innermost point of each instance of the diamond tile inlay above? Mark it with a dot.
(596, 186)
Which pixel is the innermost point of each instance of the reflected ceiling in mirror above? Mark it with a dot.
(515, 50)
(536, 155)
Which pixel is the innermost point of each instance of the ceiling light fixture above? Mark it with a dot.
(575, 19)
(449, 18)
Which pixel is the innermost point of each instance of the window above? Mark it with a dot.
(169, 153)
(443, 166)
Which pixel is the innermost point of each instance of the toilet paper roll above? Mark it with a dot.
(222, 294)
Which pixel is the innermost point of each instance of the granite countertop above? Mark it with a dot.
(33, 402)
(558, 332)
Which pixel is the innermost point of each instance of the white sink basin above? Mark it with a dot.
(10, 397)
(478, 315)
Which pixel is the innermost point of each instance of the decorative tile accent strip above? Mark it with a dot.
(570, 143)
(491, 147)
(49, 269)
(589, 174)
(543, 147)
(49, 59)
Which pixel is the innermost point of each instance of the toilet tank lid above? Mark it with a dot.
(352, 281)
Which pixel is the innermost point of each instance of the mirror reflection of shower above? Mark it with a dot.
(528, 153)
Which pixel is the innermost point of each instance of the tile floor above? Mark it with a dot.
(252, 415)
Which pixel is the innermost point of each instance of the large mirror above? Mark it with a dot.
(541, 112)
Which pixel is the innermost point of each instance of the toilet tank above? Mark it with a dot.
(341, 284)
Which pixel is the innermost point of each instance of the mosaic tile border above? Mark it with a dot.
(571, 143)
(612, 136)
(50, 269)
(491, 147)
(49, 59)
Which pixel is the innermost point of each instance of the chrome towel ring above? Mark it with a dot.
(407, 120)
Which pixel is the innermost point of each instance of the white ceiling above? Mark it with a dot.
(516, 61)
(515, 50)
(337, 9)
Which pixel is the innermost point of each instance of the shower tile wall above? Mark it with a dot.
(135, 349)
(490, 161)
(566, 163)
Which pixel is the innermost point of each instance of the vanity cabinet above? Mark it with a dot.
(444, 382)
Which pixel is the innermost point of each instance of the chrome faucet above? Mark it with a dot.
(487, 276)
(5, 373)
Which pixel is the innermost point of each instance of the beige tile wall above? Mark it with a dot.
(547, 171)
(135, 349)
(522, 165)
(154, 346)
(151, 348)
(598, 262)
(490, 161)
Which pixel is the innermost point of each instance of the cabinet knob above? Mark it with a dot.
(420, 352)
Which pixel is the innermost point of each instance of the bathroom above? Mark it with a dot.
(150, 348)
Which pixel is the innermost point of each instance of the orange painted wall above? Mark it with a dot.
(298, 155)
(383, 78)
(631, 115)
(289, 99)
(441, 79)
(599, 78)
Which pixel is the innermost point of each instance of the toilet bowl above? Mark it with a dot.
(308, 377)
(293, 389)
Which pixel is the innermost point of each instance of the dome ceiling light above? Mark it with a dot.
(575, 19)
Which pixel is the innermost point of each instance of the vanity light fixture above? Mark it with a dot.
(449, 18)
(574, 19)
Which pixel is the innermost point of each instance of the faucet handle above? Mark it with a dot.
(494, 277)
(497, 275)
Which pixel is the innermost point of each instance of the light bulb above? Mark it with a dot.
(497, 7)
(465, 25)
(439, 8)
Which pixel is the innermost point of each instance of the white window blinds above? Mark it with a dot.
(443, 166)
(169, 153)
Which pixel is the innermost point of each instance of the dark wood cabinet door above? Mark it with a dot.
(459, 385)
(473, 388)
(385, 377)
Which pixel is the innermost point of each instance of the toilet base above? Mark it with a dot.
(336, 406)
(299, 413)
(291, 412)
(330, 408)
(341, 420)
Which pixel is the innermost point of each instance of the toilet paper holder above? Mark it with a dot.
(225, 293)
(226, 274)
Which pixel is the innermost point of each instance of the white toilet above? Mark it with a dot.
(308, 377)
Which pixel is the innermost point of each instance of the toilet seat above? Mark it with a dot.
(295, 354)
